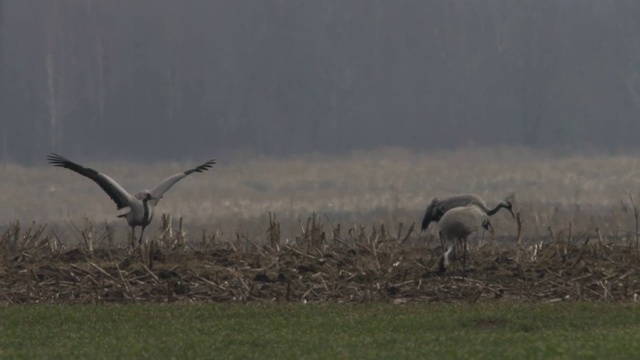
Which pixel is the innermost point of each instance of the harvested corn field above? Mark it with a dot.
(323, 264)
(577, 237)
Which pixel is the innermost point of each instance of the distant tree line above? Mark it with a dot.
(165, 79)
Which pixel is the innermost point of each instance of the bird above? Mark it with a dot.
(137, 209)
(438, 207)
(457, 224)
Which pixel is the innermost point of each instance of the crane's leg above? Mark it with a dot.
(141, 232)
(457, 247)
(441, 239)
(133, 237)
(444, 262)
(464, 257)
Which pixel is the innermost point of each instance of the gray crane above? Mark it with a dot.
(136, 209)
(457, 224)
(439, 207)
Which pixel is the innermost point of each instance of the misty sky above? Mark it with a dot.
(163, 79)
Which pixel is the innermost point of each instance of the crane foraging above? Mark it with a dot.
(457, 224)
(137, 209)
(439, 207)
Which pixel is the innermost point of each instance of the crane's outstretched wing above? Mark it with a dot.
(118, 194)
(166, 184)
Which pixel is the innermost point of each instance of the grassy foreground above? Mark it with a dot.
(327, 331)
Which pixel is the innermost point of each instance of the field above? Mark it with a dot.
(322, 331)
(326, 240)
(384, 186)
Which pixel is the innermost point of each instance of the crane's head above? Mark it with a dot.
(433, 213)
(507, 205)
(144, 195)
(486, 224)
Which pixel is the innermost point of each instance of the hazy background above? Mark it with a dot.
(360, 111)
(174, 80)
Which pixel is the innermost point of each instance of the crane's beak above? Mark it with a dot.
(509, 207)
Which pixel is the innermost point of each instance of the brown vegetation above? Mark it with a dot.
(384, 186)
(358, 264)
(577, 239)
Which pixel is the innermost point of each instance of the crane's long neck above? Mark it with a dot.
(426, 220)
(495, 209)
(148, 213)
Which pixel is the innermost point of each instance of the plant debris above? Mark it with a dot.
(363, 265)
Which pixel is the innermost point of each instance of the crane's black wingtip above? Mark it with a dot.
(202, 168)
(52, 155)
(56, 159)
(206, 166)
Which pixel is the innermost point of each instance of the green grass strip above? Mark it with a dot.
(322, 331)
